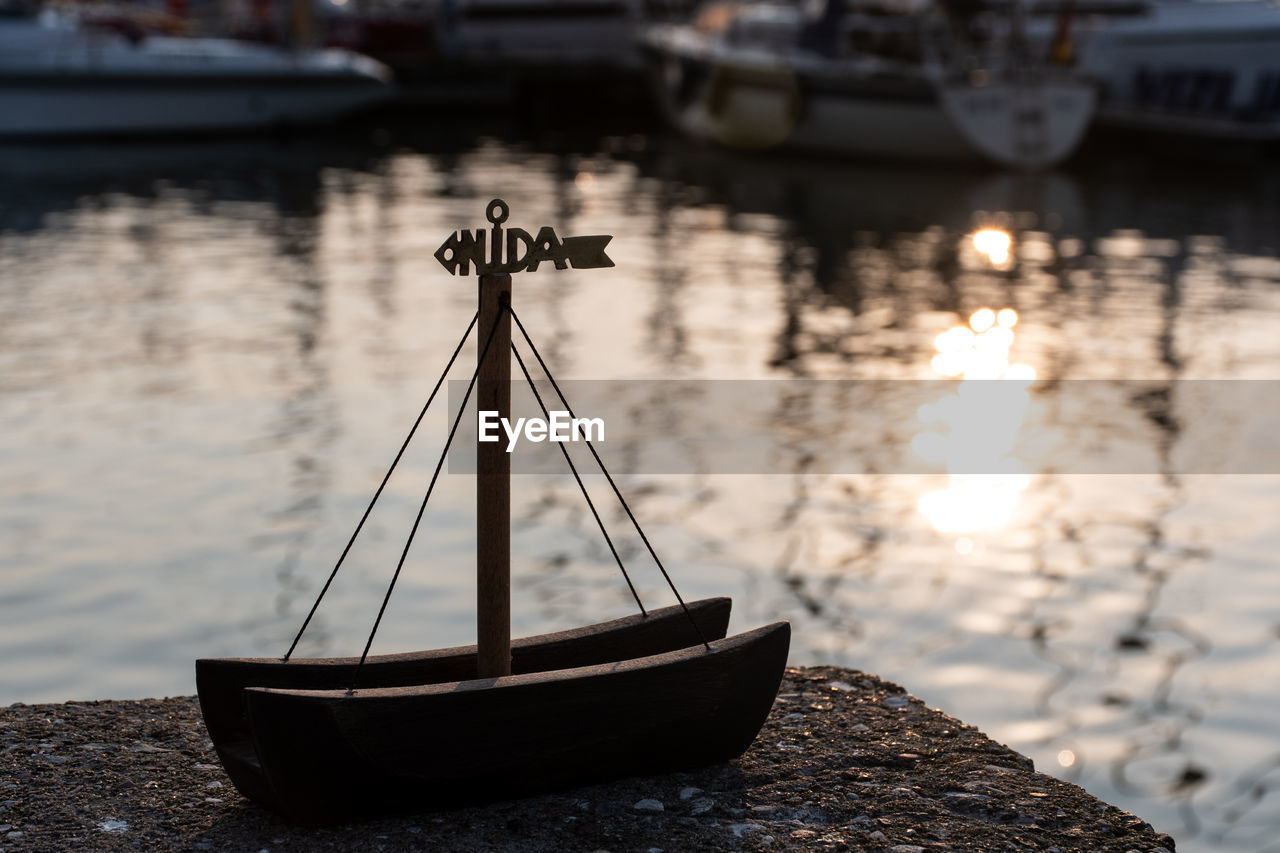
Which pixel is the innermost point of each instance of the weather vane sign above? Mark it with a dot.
(524, 253)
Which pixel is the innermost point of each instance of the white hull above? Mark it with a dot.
(1032, 124)
(58, 79)
(912, 131)
(73, 109)
(753, 118)
(757, 105)
(1200, 68)
(878, 129)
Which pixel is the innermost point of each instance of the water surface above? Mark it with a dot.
(209, 352)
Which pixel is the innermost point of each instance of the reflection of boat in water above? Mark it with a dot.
(824, 199)
(769, 76)
(38, 178)
(653, 693)
(59, 78)
(1199, 68)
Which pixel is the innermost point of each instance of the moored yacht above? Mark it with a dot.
(58, 77)
(1177, 66)
(767, 75)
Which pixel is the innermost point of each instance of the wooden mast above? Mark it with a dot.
(524, 252)
(493, 483)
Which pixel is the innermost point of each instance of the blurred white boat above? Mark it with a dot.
(59, 78)
(770, 76)
(1181, 66)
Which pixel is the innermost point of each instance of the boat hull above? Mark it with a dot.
(1206, 70)
(70, 105)
(329, 756)
(221, 682)
(755, 105)
(60, 78)
(1028, 124)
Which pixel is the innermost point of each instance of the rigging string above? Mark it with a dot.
(382, 485)
(617, 492)
(430, 487)
(581, 485)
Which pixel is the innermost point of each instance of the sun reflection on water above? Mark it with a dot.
(972, 431)
(994, 244)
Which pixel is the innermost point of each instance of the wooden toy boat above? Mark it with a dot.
(327, 740)
(331, 756)
(221, 682)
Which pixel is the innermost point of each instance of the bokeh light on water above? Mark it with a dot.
(208, 351)
(975, 433)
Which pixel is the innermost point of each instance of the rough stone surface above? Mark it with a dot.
(845, 762)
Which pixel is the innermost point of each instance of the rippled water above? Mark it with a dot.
(209, 351)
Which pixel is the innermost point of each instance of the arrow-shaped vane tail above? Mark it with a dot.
(587, 253)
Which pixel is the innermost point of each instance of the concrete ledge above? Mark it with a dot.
(845, 762)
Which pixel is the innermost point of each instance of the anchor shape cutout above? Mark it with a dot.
(524, 253)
